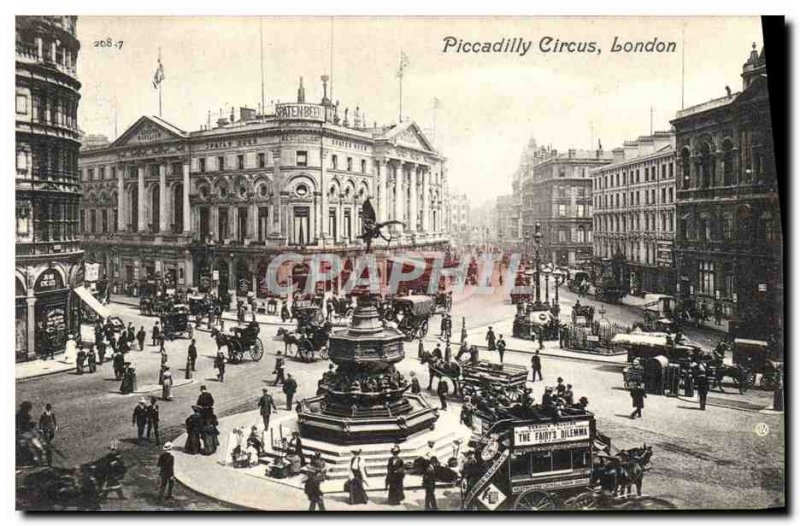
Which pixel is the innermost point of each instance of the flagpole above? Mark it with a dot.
(159, 84)
(401, 87)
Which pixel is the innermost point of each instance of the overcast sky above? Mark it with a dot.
(492, 103)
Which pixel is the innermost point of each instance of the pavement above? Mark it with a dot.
(729, 456)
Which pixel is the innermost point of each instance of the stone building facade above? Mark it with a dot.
(219, 203)
(48, 253)
(728, 242)
(634, 211)
(557, 194)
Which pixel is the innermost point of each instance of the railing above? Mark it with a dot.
(27, 50)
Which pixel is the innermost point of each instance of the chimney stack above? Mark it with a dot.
(301, 92)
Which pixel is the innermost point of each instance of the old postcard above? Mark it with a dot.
(399, 263)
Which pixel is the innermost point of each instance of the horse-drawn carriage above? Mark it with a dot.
(176, 323)
(757, 357)
(582, 315)
(530, 322)
(310, 338)
(578, 281)
(412, 315)
(659, 314)
(239, 341)
(541, 460)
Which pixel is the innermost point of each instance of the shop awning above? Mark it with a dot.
(86, 295)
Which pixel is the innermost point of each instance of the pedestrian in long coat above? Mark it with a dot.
(153, 419)
(91, 360)
(192, 354)
(118, 363)
(490, 339)
(637, 396)
(140, 418)
(702, 389)
(80, 360)
(395, 473)
(536, 366)
(355, 486)
(140, 337)
(219, 365)
(101, 351)
(289, 388)
(210, 435)
(156, 333)
(166, 471)
(442, 390)
(313, 491)
(429, 483)
(194, 429)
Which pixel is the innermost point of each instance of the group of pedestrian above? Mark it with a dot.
(146, 420)
(202, 426)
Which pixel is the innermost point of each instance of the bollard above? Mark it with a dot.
(188, 368)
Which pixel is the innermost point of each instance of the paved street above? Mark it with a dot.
(711, 459)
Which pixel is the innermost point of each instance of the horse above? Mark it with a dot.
(82, 487)
(288, 337)
(631, 467)
(439, 369)
(736, 372)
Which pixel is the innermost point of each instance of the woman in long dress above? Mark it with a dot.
(359, 474)
(395, 473)
(166, 385)
(194, 426)
(210, 436)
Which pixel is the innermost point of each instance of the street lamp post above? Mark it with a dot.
(546, 272)
(537, 236)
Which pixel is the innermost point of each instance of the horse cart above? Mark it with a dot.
(412, 315)
(757, 357)
(659, 314)
(578, 281)
(310, 338)
(176, 323)
(240, 341)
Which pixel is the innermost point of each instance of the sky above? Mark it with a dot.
(492, 104)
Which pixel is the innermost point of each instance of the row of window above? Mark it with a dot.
(636, 251)
(706, 228)
(47, 161)
(651, 222)
(48, 221)
(103, 223)
(633, 176)
(606, 201)
(706, 169)
(51, 51)
(49, 108)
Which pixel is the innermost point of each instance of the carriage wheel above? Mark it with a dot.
(257, 350)
(535, 500)
(584, 501)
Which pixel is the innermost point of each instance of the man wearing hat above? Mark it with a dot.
(637, 398)
(289, 389)
(166, 471)
(279, 369)
(296, 447)
(395, 473)
(266, 405)
(547, 397)
(153, 419)
(314, 478)
(156, 333)
(501, 347)
(140, 418)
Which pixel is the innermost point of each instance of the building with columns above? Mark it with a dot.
(48, 253)
(557, 194)
(164, 203)
(729, 242)
(634, 211)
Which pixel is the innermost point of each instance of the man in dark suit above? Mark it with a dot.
(701, 382)
(266, 405)
(536, 366)
(192, 355)
(637, 396)
(289, 388)
(166, 471)
(140, 418)
(442, 391)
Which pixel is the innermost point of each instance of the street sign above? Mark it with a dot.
(492, 497)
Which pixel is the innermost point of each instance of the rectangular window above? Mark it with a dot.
(349, 164)
(663, 195)
(363, 166)
(669, 194)
(671, 170)
(562, 210)
(104, 220)
(90, 174)
(334, 162)
(262, 160)
(240, 162)
(220, 163)
(202, 164)
(562, 236)
(541, 461)
(101, 173)
(706, 277)
(302, 158)
(22, 161)
(22, 104)
(113, 172)
(580, 210)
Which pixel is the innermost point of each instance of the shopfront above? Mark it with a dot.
(51, 311)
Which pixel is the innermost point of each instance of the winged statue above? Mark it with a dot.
(370, 228)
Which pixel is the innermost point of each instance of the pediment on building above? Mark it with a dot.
(149, 130)
(408, 134)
